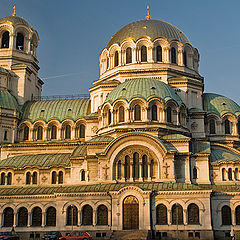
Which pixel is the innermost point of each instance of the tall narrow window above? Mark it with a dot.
(53, 132)
(5, 137)
(102, 215)
(20, 42)
(193, 214)
(226, 215)
(227, 126)
(137, 112)
(173, 55)
(82, 131)
(177, 214)
(128, 55)
(5, 40)
(159, 53)
(119, 170)
(8, 217)
(223, 174)
(185, 58)
(194, 173)
(39, 133)
(230, 174)
(2, 182)
(28, 178)
(83, 178)
(87, 215)
(22, 217)
(212, 126)
(72, 215)
(127, 167)
(116, 59)
(237, 214)
(26, 133)
(9, 178)
(68, 132)
(121, 114)
(51, 216)
(236, 174)
(60, 177)
(109, 117)
(161, 214)
(37, 217)
(135, 166)
(144, 167)
(34, 178)
(169, 114)
(154, 112)
(143, 54)
(152, 169)
(54, 177)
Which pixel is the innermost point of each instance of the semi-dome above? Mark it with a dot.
(146, 88)
(7, 100)
(15, 20)
(151, 28)
(218, 104)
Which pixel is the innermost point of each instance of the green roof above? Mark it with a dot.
(57, 109)
(219, 154)
(80, 151)
(201, 147)
(196, 110)
(15, 20)
(101, 139)
(152, 29)
(146, 88)
(218, 104)
(174, 137)
(39, 160)
(7, 100)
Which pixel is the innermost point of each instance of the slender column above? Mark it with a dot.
(185, 216)
(73, 133)
(94, 217)
(140, 172)
(234, 129)
(166, 54)
(187, 170)
(233, 218)
(180, 56)
(122, 172)
(169, 217)
(44, 133)
(79, 220)
(150, 55)
(131, 171)
(134, 59)
(11, 41)
(29, 219)
(15, 220)
(149, 171)
(144, 114)
(43, 219)
(119, 58)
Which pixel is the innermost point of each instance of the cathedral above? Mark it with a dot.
(147, 154)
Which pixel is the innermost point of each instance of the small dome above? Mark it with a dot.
(218, 104)
(146, 88)
(7, 100)
(15, 20)
(151, 28)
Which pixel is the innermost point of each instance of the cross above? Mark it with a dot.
(106, 169)
(148, 17)
(44, 178)
(166, 170)
(14, 11)
(18, 179)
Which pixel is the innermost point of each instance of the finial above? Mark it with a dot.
(148, 14)
(14, 11)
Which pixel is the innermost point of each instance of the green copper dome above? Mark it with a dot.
(7, 100)
(15, 20)
(151, 28)
(146, 88)
(218, 104)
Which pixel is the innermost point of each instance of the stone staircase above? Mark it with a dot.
(130, 235)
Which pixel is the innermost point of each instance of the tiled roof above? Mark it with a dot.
(40, 160)
(7, 100)
(152, 29)
(174, 137)
(15, 20)
(101, 139)
(80, 151)
(219, 154)
(202, 147)
(215, 103)
(56, 109)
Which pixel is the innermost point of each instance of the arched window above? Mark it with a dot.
(51, 216)
(109, 116)
(195, 173)
(36, 217)
(236, 174)
(223, 174)
(173, 55)
(82, 131)
(230, 174)
(102, 215)
(60, 177)
(129, 55)
(237, 214)
(34, 178)
(169, 114)
(159, 53)
(53, 132)
(144, 167)
(137, 112)
(143, 54)
(127, 167)
(119, 170)
(54, 177)
(28, 178)
(9, 178)
(227, 126)
(177, 214)
(116, 59)
(2, 179)
(87, 215)
(5, 135)
(39, 133)
(226, 215)
(152, 169)
(212, 126)
(83, 178)
(8, 217)
(154, 112)
(185, 58)
(72, 215)
(68, 132)
(135, 165)
(22, 217)
(26, 133)
(20, 42)
(161, 215)
(5, 40)
(193, 214)
(121, 114)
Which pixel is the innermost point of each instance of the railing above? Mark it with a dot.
(61, 97)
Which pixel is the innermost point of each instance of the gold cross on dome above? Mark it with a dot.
(148, 13)
(14, 11)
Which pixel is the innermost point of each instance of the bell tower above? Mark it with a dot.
(18, 54)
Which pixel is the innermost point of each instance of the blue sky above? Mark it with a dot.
(73, 33)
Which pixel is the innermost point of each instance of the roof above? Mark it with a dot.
(152, 29)
(79, 151)
(39, 160)
(219, 154)
(146, 88)
(101, 139)
(15, 20)
(56, 109)
(218, 104)
(175, 137)
(7, 100)
(201, 147)
(4, 70)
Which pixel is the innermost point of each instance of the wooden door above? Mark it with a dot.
(130, 213)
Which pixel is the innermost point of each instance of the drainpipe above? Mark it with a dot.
(111, 209)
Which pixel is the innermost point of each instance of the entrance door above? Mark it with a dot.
(130, 213)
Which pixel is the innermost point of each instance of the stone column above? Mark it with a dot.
(166, 57)
(15, 219)
(150, 54)
(11, 41)
(29, 219)
(185, 216)
(43, 219)
(233, 218)
(140, 172)
(123, 57)
(119, 58)
(31, 134)
(149, 171)
(73, 133)
(45, 133)
(180, 56)
(79, 221)
(134, 58)
(144, 114)
(234, 128)
(169, 217)
(122, 171)
(131, 170)
(187, 170)
(94, 218)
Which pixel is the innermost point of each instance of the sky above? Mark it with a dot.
(74, 32)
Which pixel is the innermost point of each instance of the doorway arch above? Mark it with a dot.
(130, 213)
